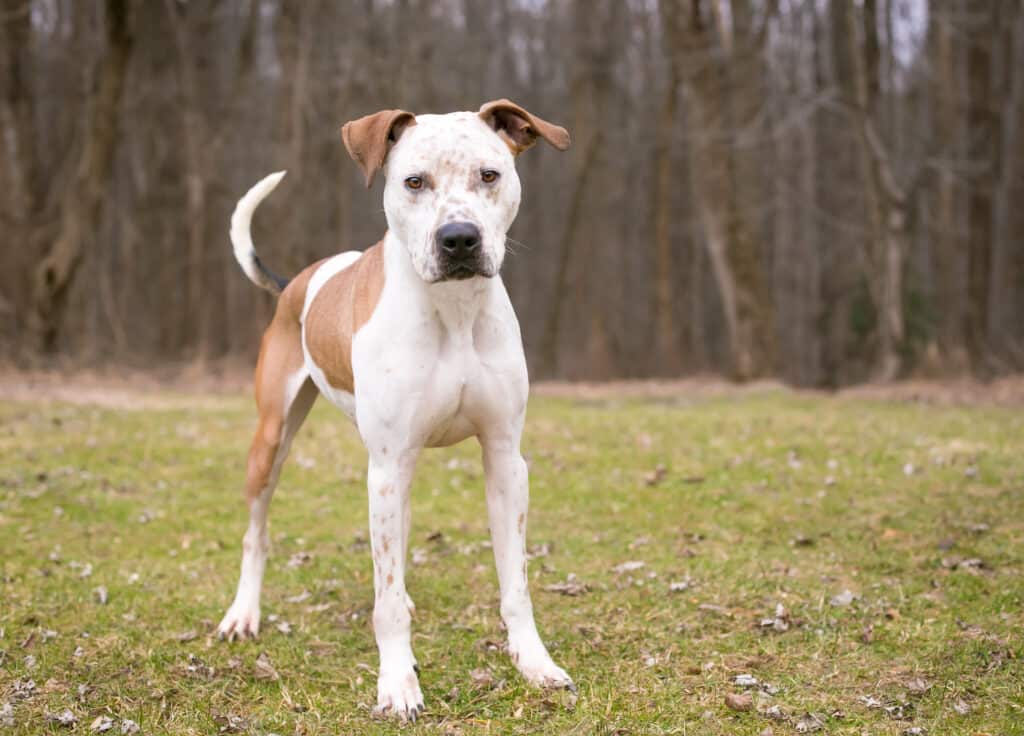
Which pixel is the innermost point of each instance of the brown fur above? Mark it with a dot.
(520, 128)
(342, 306)
(280, 357)
(369, 138)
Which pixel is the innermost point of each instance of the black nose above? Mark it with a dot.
(458, 240)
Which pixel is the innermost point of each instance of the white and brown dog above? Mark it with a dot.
(415, 339)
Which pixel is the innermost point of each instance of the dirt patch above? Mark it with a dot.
(183, 385)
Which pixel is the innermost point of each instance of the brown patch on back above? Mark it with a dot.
(343, 305)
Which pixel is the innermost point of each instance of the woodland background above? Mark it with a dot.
(827, 192)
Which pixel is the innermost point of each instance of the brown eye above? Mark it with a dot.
(414, 183)
(489, 176)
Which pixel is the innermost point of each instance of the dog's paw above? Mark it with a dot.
(398, 696)
(535, 664)
(240, 622)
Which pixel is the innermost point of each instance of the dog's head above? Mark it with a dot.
(451, 190)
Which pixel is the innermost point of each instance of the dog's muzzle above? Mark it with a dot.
(460, 254)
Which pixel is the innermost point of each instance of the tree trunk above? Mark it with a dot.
(946, 243)
(1008, 250)
(717, 166)
(82, 207)
(982, 132)
(667, 338)
(887, 246)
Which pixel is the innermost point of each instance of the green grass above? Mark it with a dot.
(767, 499)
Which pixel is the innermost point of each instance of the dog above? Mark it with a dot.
(416, 340)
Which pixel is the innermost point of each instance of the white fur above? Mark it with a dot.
(437, 362)
(241, 220)
(452, 150)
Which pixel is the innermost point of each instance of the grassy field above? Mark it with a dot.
(765, 563)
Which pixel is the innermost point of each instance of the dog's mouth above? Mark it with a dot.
(464, 269)
(461, 272)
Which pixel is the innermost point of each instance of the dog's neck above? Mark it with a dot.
(457, 303)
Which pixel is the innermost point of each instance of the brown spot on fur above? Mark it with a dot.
(522, 519)
(391, 579)
(342, 306)
(385, 543)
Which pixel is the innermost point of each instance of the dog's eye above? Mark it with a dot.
(489, 176)
(414, 183)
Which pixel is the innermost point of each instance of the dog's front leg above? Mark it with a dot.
(507, 505)
(398, 688)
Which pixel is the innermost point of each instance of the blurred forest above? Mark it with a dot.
(824, 191)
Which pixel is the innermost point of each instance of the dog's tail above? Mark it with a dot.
(241, 238)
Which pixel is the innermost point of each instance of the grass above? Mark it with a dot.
(765, 511)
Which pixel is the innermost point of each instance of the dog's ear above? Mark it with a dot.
(519, 128)
(369, 138)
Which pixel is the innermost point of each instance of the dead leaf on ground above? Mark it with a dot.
(263, 669)
(629, 566)
(654, 477)
(739, 701)
(843, 599)
(482, 678)
(810, 722)
(571, 587)
(65, 718)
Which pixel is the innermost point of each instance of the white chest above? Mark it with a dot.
(434, 376)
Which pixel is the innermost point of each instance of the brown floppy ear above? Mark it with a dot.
(519, 128)
(369, 138)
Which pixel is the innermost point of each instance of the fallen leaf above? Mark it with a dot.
(843, 599)
(571, 587)
(299, 559)
(655, 476)
(810, 722)
(629, 566)
(739, 701)
(918, 686)
(263, 669)
(102, 723)
(482, 678)
(65, 718)
(128, 726)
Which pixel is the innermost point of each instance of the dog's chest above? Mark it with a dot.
(437, 376)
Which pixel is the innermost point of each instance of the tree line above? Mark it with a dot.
(825, 191)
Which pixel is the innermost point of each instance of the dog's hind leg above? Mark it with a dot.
(284, 395)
